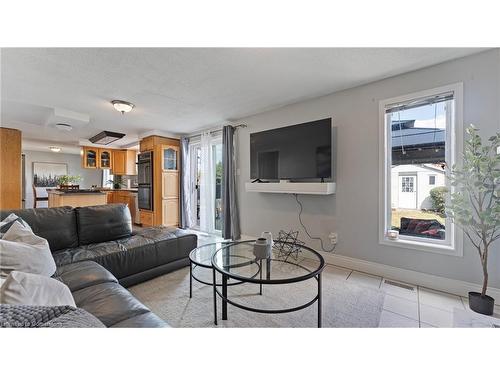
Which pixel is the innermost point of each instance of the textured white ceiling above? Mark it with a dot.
(181, 90)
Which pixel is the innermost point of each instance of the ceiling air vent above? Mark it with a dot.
(106, 137)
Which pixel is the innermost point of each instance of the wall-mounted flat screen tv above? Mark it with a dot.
(302, 151)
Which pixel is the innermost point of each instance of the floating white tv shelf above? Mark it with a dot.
(317, 188)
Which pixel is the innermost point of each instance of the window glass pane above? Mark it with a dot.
(169, 159)
(418, 161)
(217, 156)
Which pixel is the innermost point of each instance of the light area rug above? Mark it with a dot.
(345, 304)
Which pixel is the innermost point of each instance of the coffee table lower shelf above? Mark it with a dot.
(225, 300)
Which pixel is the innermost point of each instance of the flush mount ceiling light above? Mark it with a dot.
(106, 137)
(55, 149)
(122, 106)
(64, 127)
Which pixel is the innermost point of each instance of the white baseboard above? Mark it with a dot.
(457, 287)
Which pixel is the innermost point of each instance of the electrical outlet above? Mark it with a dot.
(334, 237)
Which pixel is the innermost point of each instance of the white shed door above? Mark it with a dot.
(408, 191)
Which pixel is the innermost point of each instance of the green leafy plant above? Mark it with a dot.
(68, 179)
(438, 197)
(475, 203)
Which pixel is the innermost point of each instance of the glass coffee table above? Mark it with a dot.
(236, 262)
(201, 258)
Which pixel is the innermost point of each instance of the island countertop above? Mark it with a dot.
(77, 192)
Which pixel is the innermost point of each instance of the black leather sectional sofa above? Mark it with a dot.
(98, 253)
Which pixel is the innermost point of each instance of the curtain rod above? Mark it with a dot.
(216, 130)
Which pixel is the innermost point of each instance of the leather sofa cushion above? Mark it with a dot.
(97, 291)
(150, 248)
(121, 257)
(103, 223)
(109, 302)
(147, 320)
(83, 274)
(100, 253)
(57, 225)
(162, 236)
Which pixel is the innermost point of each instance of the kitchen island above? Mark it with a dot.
(79, 198)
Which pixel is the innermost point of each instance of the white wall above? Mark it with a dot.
(89, 176)
(353, 210)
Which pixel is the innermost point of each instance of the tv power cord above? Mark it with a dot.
(331, 250)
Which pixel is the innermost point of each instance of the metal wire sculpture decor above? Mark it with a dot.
(288, 244)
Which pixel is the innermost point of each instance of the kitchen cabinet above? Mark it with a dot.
(166, 188)
(170, 157)
(147, 144)
(10, 169)
(124, 162)
(171, 212)
(110, 197)
(105, 158)
(90, 157)
(170, 185)
(59, 198)
(147, 219)
(125, 197)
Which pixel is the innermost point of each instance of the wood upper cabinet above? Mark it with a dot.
(170, 158)
(124, 162)
(147, 144)
(121, 162)
(90, 158)
(105, 158)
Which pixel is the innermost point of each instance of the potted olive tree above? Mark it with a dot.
(475, 204)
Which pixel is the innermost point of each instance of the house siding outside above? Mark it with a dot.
(422, 188)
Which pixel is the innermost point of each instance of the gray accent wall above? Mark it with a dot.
(353, 212)
(89, 176)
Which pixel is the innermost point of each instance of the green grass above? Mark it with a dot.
(397, 214)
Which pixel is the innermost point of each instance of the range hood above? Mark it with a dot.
(106, 137)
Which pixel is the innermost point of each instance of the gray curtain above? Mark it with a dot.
(185, 184)
(231, 223)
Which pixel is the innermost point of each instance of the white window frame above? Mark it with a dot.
(453, 244)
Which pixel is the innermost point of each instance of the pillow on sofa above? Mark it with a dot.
(6, 223)
(22, 250)
(22, 288)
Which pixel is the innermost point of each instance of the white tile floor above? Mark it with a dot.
(414, 306)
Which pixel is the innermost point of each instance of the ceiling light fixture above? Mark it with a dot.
(122, 106)
(106, 137)
(55, 149)
(64, 127)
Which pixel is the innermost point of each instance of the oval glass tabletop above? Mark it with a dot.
(287, 264)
